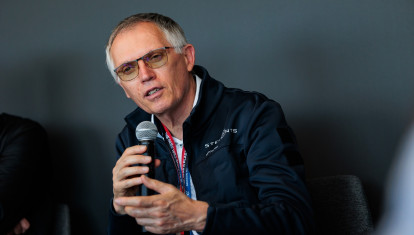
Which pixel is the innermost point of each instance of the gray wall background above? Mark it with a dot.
(342, 70)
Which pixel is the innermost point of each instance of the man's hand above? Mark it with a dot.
(171, 211)
(125, 175)
(21, 227)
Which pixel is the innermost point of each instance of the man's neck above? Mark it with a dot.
(174, 120)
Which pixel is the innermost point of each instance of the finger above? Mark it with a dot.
(130, 154)
(128, 183)
(157, 163)
(157, 185)
(136, 159)
(134, 150)
(127, 169)
(144, 214)
(128, 172)
(157, 226)
(150, 225)
(139, 202)
(131, 160)
(130, 201)
(147, 201)
(147, 222)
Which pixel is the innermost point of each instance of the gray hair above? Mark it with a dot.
(172, 32)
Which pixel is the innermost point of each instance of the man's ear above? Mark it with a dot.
(189, 55)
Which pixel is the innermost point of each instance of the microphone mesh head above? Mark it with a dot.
(146, 131)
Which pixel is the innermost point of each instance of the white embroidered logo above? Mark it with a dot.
(225, 131)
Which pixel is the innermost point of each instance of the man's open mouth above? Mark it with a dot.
(153, 91)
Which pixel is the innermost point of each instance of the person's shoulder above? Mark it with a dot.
(17, 124)
(243, 96)
(17, 120)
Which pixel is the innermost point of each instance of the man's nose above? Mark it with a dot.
(145, 73)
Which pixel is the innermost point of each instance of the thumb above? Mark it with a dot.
(156, 185)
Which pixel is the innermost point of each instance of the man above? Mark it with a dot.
(227, 162)
(24, 187)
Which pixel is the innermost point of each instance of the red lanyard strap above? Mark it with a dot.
(181, 171)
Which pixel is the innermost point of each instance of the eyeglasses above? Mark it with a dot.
(153, 59)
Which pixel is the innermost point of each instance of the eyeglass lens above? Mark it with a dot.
(154, 59)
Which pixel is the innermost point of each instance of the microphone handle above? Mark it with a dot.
(150, 152)
(151, 173)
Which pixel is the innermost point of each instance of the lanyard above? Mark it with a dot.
(182, 169)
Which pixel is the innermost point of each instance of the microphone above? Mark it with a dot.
(146, 133)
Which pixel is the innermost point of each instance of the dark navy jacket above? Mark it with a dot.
(243, 160)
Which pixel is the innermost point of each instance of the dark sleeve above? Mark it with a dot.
(122, 224)
(24, 156)
(276, 172)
